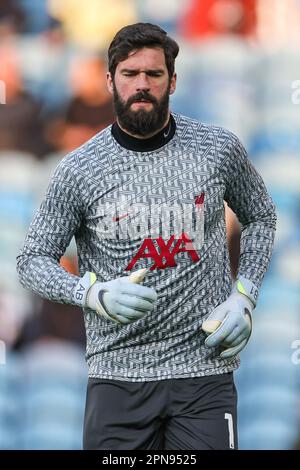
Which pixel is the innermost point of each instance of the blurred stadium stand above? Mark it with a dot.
(237, 67)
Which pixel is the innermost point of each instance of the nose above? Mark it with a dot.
(142, 82)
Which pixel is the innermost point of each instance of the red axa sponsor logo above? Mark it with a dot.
(163, 253)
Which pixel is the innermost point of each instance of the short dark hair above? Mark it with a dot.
(139, 35)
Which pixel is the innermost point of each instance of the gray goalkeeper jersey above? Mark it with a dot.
(164, 210)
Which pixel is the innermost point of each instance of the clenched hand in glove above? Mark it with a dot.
(122, 300)
(230, 323)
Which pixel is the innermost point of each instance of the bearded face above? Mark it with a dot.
(141, 86)
(141, 121)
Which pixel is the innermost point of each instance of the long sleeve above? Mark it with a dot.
(56, 221)
(247, 196)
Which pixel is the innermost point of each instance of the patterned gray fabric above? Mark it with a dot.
(201, 163)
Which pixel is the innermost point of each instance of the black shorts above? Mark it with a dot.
(196, 413)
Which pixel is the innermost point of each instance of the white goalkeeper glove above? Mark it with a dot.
(121, 300)
(230, 324)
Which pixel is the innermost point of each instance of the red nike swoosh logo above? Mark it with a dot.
(116, 219)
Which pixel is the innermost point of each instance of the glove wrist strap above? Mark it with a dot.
(83, 286)
(247, 288)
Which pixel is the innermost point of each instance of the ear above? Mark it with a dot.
(173, 84)
(109, 83)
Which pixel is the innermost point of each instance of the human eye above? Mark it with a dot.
(129, 73)
(154, 73)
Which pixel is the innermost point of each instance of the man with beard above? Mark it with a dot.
(161, 354)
